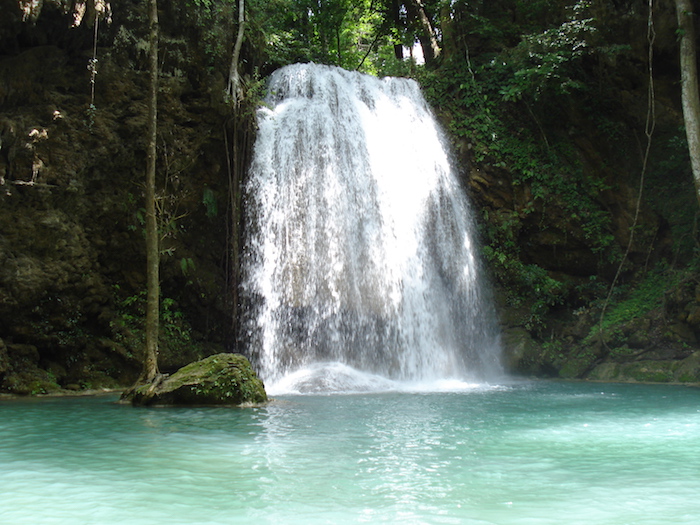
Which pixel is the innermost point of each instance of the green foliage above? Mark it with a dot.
(187, 266)
(337, 32)
(553, 350)
(131, 309)
(526, 284)
(209, 201)
(214, 21)
(90, 114)
(173, 321)
(632, 303)
(546, 168)
(139, 219)
(667, 192)
(506, 107)
(641, 300)
(59, 323)
(546, 61)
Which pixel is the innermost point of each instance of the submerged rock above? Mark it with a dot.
(221, 379)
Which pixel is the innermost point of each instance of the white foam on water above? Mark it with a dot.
(339, 378)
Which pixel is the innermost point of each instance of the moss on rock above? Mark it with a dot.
(650, 371)
(221, 379)
(522, 353)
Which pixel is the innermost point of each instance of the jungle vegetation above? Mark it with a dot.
(565, 116)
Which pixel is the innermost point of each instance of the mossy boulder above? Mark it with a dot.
(221, 379)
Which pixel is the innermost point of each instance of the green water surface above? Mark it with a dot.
(527, 453)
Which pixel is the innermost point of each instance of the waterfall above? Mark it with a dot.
(359, 260)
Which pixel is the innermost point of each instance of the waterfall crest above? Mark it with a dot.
(359, 254)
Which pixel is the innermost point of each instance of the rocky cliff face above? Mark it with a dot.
(560, 314)
(71, 226)
(71, 221)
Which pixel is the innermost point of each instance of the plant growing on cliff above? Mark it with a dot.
(504, 106)
(175, 332)
(636, 302)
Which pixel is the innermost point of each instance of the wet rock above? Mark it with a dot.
(575, 367)
(521, 352)
(639, 334)
(650, 371)
(681, 332)
(71, 251)
(23, 375)
(221, 379)
(607, 371)
(693, 317)
(4, 360)
(688, 370)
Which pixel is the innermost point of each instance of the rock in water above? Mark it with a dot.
(221, 379)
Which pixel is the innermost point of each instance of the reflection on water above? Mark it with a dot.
(516, 454)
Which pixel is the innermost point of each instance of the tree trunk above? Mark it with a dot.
(398, 24)
(427, 38)
(234, 78)
(448, 31)
(689, 86)
(150, 364)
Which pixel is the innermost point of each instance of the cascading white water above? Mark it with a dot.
(359, 247)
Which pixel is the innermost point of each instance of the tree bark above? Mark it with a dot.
(447, 28)
(396, 16)
(689, 86)
(427, 38)
(150, 364)
(234, 78)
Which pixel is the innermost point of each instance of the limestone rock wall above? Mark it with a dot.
(71, 198)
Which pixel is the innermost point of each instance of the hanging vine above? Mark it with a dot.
(92, 68)
(649, 126)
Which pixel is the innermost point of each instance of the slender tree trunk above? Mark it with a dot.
(234, 78)
(689, 86)
(398, 24)
(150, 365)
(339, 56)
